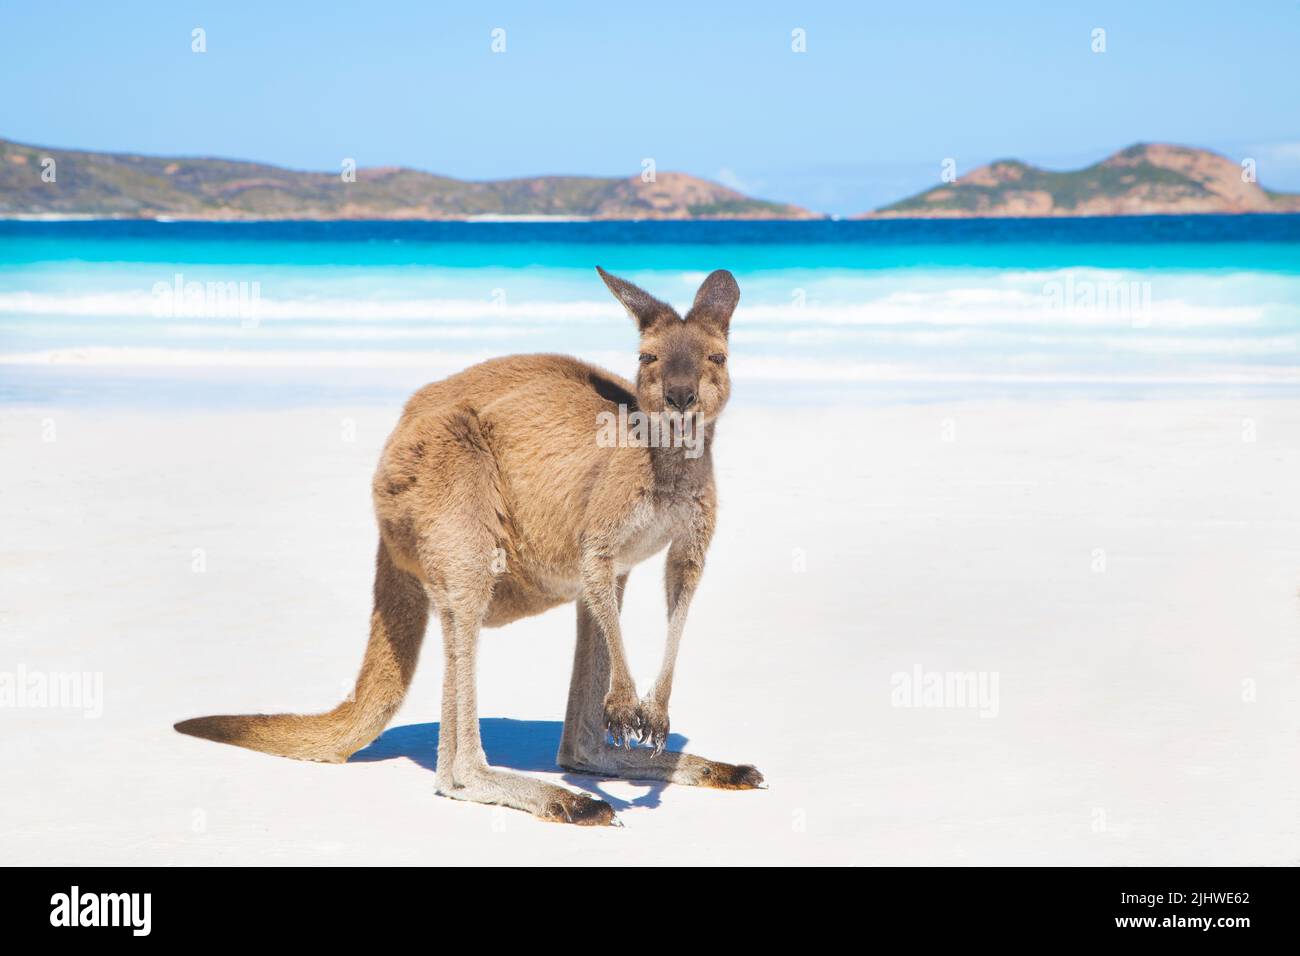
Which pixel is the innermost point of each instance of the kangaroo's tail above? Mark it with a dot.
(396, 631)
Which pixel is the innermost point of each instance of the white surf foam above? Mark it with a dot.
(752, 368)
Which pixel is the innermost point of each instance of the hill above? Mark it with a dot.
(138, 187)
(1145, 179)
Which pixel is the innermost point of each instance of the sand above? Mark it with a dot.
(1120, 580)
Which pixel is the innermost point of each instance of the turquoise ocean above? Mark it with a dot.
(114, 313)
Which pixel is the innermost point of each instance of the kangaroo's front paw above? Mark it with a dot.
(622, 717)
(654, 723)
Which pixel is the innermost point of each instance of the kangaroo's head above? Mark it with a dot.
(683, 361)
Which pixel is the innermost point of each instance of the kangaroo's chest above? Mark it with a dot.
(651, 529)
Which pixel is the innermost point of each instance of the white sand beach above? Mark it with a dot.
(1122, 576)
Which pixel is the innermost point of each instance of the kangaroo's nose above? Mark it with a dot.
(680, 397)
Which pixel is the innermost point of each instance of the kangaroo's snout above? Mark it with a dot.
(680, 397)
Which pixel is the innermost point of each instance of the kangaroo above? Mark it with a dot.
(495, 501)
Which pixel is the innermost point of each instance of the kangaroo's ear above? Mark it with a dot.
(645, 308)
(716, 300)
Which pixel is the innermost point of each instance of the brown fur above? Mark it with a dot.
(495, 502)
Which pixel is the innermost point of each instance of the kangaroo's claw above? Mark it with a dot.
(654, 723)
(622, 721)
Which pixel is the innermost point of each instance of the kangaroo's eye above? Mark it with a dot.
(718, 358)
(647, 358)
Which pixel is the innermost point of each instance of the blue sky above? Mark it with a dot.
(884, 93)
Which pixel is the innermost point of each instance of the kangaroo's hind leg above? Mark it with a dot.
(459, 534)
(584, 747)
(470, 777)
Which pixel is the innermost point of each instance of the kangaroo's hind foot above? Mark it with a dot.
(543, 800)
(642, 763)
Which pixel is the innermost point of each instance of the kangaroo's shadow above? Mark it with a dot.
(512, 745)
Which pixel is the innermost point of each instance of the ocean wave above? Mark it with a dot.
(958, 307)
(809, 340)
(759, 368)
(143, 356)
(140, 304)
(1015, 341)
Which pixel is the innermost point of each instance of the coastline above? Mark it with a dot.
(937, 216)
